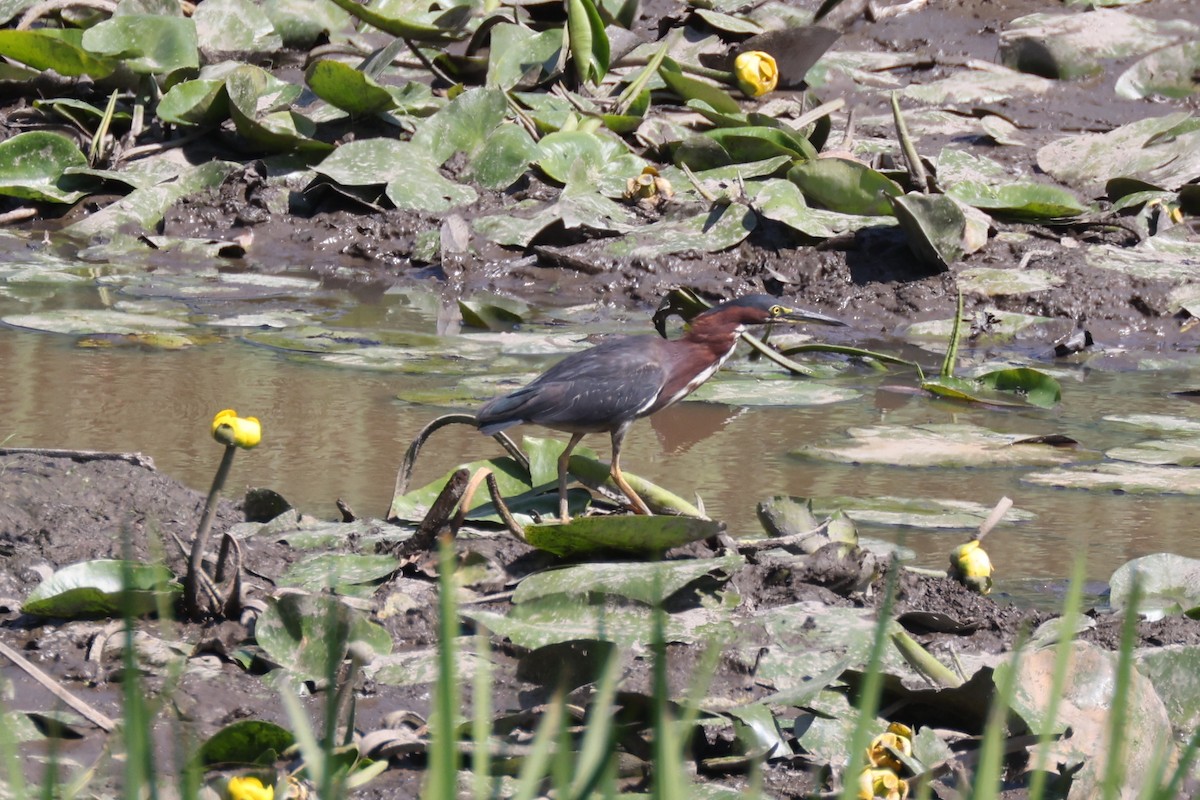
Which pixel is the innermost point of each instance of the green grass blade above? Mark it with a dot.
(1114, 770)
(872, 689)
(443, 756)
(481, 719)
(1062, 662)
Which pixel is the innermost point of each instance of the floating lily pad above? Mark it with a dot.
(915, 512)
(1179, 452)
(100, 321)
(103, 588)
(772, 392)
(1161, 423)
(939, 445)
(1024, 201)
(1121, 477)
(624, 533)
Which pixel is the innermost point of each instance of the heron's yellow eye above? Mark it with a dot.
(778, 311)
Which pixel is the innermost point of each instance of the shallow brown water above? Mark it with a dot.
(338, 432)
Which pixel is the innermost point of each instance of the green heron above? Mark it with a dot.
(607, 387)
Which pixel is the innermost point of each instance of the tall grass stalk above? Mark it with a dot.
(872, 688)
(1072, 606)
(481, 718)
(1114, 768)
(443, 755)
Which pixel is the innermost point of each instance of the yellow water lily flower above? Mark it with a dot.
(756, 73)
(883, 783)
(969, 563)
(880, 754)
(248, 788)
(229, 428)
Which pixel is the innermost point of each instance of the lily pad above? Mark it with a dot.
(629, 534)
(246, 741)
(1179, 452)
(720, 228)
(782, 201)
(99, 321)
(32, 166)
(344, 573)
(1163, 151)
(935, 225)
(309, 635)
(347, 88)
(994, 282)
(419, 667)
(845, 186)
(1168, 583)
(555, 619)
(1121, 477)
(1170, 72)
(1023, 202)
(915, 512)
(103, 588)
(939, 445)
(645, 583)
(994, 85)
(782, 392)
(1175, 672)
(146, 43)
(59, 50)
(235, 25)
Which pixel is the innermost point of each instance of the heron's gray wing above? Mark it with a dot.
(593, 390)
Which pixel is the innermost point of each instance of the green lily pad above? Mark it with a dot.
(554, 619)
(345, 573)
(995, 85)
(690, 88)
(1175, 672)
(347, 88)
(1159, 423)
(198, 102)
(59, 50)
(146, 43)
(645, 583)
(32, 166)
(1178, 452)
(1169, 256)
(1169, 583)
(511, 478)
(845, 186)
(629, 534)
(246, 741)
(103, 588)
(301, 22)
(309, 635)
(588, 159)
(782, 201)
(939, 445)
(935, 226)
(235, 25)
(259, 105)
(144, 208)
(469, 125)
(781, 392)
(1121, 477)
(1024, 202)
(708, 232)
(519, 55)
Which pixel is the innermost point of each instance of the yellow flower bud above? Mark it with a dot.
(228, 428)
(969, 563)
(756, 73)
(248, 788)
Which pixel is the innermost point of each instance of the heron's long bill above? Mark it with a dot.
(800, 315)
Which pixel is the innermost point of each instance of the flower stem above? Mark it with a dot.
(191, 582)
